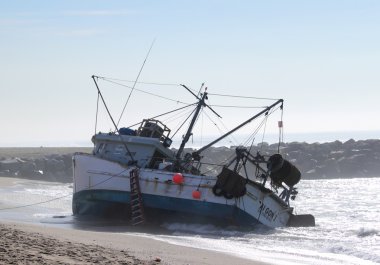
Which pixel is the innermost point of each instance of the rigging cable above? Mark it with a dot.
(143, 91)
(238, 107)
(144, 83)
(232, 155)
(178, 115)
(265, 127)
(230, 137)
(97, 111)
(259, 126)
(164, 114)
(245, 143)
(113, 122)
(281, 129)
(184, 122)
(255, 132)
(264, 121)
(134, 84)
(235, 96)
(202, 123)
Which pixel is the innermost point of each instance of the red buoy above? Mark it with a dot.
(196, 194)
(178, 178)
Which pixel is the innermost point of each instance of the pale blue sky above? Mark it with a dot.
(322, 57)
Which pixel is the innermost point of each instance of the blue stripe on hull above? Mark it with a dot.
(109, 202)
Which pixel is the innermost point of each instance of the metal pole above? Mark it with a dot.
(188, 133)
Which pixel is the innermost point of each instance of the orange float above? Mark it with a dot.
(196, 194)
(178, 178)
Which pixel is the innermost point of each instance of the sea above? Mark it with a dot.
(347, 231)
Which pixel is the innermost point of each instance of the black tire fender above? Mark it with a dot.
(228, 196)
(217, 191)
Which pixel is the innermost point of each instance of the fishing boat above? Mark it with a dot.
(135, 171)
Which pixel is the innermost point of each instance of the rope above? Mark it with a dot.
(58, 198)
(37, 203)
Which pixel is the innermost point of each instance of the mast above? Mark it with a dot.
(196, 153)
(185, 139)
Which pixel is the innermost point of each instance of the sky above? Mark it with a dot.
(321, 57)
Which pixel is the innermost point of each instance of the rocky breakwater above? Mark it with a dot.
(40, 163)
(52, 168)
(350, 159)
(336, 159)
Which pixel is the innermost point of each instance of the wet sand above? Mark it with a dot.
(37, 244)
(20, 246)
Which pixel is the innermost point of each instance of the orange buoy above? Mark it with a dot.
(196, 194)
(178, 178)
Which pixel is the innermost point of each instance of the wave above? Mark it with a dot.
(364, 232)
(202, 229)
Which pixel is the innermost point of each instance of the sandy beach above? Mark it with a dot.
(40, 243)
(36, 244)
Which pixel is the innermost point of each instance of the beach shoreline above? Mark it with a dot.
(41, 244)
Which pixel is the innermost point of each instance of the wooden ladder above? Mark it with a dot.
(137, 207)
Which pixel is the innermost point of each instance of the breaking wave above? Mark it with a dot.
(364, 232)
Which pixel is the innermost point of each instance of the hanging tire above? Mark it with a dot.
(217, 191)
(243, 192)
(228, 196)
(275, 162)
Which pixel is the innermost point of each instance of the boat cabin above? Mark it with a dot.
(147, 146)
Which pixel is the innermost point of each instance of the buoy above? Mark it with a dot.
(196, 194)
(178, 178)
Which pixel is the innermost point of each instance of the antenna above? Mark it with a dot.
(134, 84)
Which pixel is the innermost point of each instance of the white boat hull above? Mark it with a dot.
(99, 182)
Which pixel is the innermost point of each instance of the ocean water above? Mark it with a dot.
(347, 230)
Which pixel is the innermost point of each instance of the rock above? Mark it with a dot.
(316, 160)
(11, 164)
